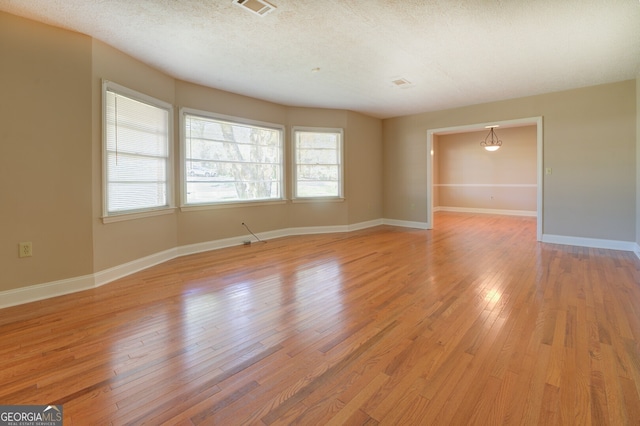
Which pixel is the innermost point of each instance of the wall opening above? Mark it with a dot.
(432, 189)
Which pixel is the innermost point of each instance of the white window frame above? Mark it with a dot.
(294, 156)
(184, 204)
(134, 213)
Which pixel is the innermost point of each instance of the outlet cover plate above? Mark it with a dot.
(26, 249)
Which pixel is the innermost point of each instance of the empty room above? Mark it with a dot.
(240, 212)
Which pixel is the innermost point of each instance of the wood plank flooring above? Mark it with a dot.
(472, 323)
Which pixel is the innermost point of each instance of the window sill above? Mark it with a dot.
(318, 200)
(230, 205)
(137, 215)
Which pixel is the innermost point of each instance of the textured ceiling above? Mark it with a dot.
(453, 53)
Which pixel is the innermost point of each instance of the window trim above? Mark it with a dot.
(184, 206)
(294, 164)
(108, 217)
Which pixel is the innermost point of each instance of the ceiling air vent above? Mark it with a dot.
(401, 82)
(259, 7)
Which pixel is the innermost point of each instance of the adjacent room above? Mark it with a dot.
(320, 212)
(468, 179)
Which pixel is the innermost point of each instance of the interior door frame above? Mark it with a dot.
(537, 121)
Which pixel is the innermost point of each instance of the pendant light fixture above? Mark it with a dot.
(494, 144)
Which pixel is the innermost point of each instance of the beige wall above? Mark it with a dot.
(404, 173)
(197, 226)
(45, 165)
(56, 76)
(51, 178)
(121, 242)
(468, 176)
(589, 142)
(363, 178)
(638, 163)
(362, 141)
(307, 214)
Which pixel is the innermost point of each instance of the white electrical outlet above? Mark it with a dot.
(26, 249)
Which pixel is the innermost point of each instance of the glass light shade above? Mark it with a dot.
(494, 143)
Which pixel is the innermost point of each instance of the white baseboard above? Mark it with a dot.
(211, 245)
(270, 235)
(406, 223)
(37, 292)
(530, 213)
(589, 242)
(364, 225)
(117, 272)
(310, 230)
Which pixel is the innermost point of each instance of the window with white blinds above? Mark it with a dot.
(137, 151)
(230, 160)
(318, 171)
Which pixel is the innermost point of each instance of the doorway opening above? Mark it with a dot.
(537, 121)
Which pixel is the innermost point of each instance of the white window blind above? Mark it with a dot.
(137, 151)
(317, 163)
(228, 160)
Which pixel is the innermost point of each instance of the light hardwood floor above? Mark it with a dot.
(473, 322)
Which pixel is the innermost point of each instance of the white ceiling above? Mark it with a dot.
(454, 52)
